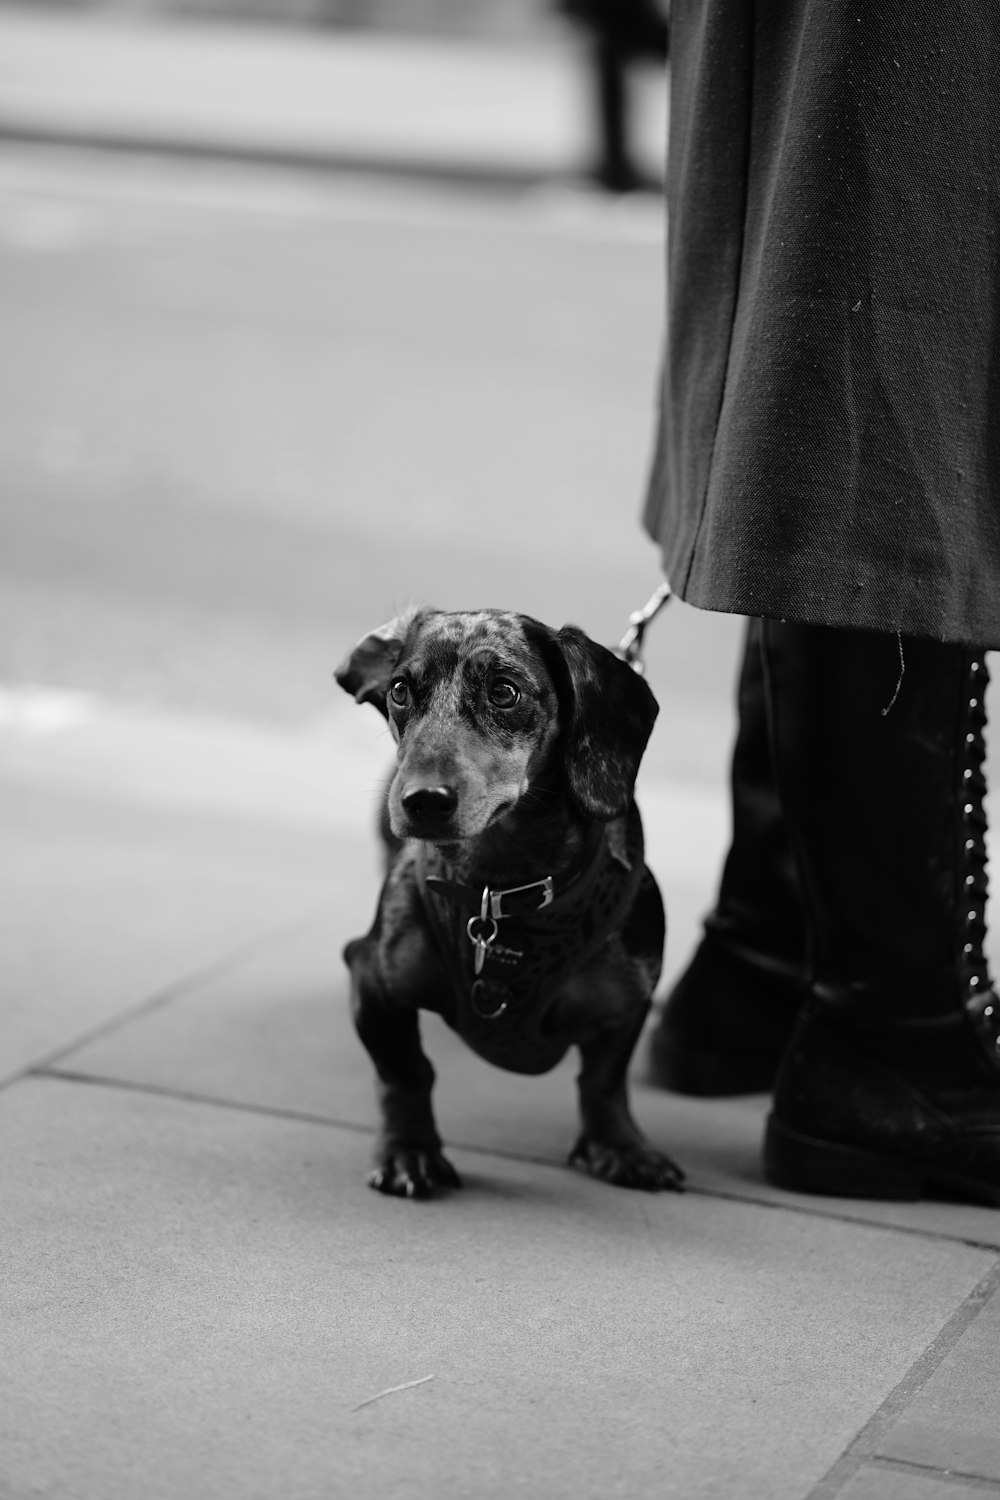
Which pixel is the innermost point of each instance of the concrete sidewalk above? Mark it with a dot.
(507, 115)
(202, 1299)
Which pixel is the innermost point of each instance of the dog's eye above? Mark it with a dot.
(503, 694)
(399, 692)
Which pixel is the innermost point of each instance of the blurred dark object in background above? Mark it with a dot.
(622, 33)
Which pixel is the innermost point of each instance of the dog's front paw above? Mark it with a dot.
(635, 1164)
(412, 1172)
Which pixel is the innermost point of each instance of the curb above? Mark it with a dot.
(486, 176)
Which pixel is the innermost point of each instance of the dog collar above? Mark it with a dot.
(493, 905)
(483, 931)
(505, 944)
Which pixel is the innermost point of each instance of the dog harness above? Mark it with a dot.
(507, 950)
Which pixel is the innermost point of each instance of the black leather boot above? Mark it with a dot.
(891, 1084)
(726, 1023)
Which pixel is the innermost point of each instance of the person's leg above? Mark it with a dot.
(614, 167)
(891, 1084)
(724, 1027)
(623, 35)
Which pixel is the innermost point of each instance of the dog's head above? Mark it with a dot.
(484, 704)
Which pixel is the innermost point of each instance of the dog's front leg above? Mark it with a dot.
(611, 1145)
(408, 1160)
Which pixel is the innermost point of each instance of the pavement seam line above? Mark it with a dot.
(193, 1096)
(958, 1477)
(174, 991)
(268, 1111)
(863, 1449)
(817, 1210)
(307, 1117)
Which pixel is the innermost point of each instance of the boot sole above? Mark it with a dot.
(803, 1164)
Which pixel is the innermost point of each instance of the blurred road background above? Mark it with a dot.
(249, 410)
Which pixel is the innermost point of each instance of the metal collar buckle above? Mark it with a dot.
(482, 930)
(546, 896)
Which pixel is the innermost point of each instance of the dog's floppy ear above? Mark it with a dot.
(611, 712)
(367, 671)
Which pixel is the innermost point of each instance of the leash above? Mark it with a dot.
(630, 646)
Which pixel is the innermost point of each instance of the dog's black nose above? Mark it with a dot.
(429, 804)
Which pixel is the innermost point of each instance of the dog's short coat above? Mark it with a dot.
(517, 905)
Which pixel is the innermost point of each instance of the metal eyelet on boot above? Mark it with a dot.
(983, 1010)
(981, 1004)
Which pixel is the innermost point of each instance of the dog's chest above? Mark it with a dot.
(506, 975)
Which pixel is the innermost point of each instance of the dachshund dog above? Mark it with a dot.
(517, 904)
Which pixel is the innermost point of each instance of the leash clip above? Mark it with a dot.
(630, 645)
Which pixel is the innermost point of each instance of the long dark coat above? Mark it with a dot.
(829, 446)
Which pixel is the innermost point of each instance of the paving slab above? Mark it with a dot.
(106, 906)
(207, 1301)
(879, 1482)
(954, 1421)
(274, 1031)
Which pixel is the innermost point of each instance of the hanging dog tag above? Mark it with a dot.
(482, 931)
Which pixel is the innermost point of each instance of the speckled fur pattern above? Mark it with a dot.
(514, 741)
